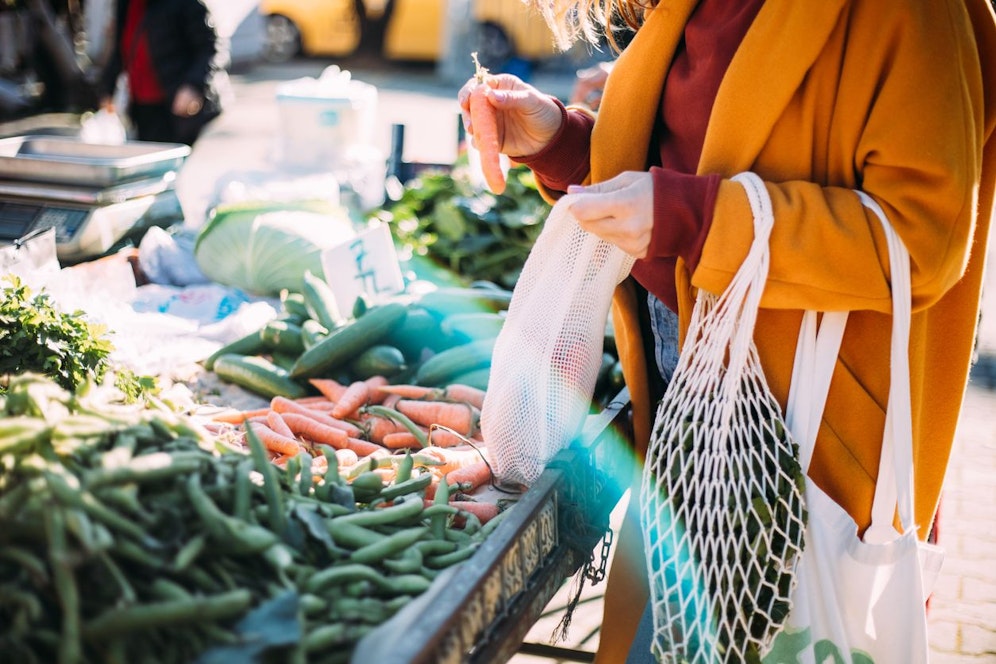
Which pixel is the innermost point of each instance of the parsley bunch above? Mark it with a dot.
(36, 336)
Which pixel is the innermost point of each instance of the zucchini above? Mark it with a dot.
(258, 375)
(475, 378)
(449, 300)
(345, 344)
(320, 301)
(250, 344)
(439, 369)
(378, 360)
(419, 330)
(470, 326)
(282, 336)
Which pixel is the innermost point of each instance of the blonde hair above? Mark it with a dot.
(590, 20)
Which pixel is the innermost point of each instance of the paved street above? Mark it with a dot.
(963, 609)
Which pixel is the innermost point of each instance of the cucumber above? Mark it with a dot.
(345, 344)
(320, 301)
(470, 326)
(442, 367)
(378, 360)
(258, 375)
(282, 336)
(476, 378)
(444, 302)
(250, 344)
(294, 304)
(419, 330)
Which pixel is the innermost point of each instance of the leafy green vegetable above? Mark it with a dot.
(38, 337)
(448, 219)
(264, 247)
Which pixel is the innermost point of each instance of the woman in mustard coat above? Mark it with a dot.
(897, 99)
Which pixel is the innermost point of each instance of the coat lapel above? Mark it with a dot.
(629, 108)
(768, 67)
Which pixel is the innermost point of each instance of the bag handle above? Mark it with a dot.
(816, 354)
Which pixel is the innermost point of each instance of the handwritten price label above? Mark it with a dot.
(365, 265)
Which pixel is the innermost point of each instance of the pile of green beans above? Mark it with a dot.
(130, 534)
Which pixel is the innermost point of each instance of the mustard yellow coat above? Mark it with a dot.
(895, 98)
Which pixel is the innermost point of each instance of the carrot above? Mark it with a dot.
(331, 389)
(400, 440)
(447, 459)
(466, 393)
(234, 416)
(274, 441)
(355, 396)
(376, 427)
(314, 430)
(473, 475)
(460, 417)
(276, 422)
(409, 391)
(482, 510)
(374, 383)
(362, 447)
(484, 120)
(444, 437)
(285, 405)
(313, 400)
(391, 400)
(347, 457)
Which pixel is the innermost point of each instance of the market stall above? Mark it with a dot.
(224, 349)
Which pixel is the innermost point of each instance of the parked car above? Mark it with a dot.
(502, 29)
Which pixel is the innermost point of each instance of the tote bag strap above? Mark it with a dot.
(816, 354)
(894, 488)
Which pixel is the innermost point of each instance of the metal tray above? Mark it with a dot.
(68, 160)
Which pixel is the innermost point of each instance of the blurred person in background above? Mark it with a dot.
(176, 67)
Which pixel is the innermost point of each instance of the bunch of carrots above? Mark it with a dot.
(372, 425)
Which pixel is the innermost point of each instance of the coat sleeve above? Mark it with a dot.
(907, 128)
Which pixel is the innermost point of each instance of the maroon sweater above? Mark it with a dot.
(683, 201)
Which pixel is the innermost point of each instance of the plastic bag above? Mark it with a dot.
(103, 126)
(547, 355)
(721, 499)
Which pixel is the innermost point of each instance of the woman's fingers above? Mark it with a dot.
(619, 211)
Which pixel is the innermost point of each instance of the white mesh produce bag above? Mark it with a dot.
(547, 356)
(721, 504)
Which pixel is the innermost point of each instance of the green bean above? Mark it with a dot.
(278, 520)
(31, 563)
(352, 535)
(242, 491)
(70, 645)
(167, 613)
(147, 468)
(400, 418)
(388, 546)
(189, 552)
(404, 470)
(397, 512)
(238, 536)
(444, 560)
(410, 561)
(73, 497)
(404, 487)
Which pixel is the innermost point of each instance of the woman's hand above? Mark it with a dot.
(187, 101)
(619, 211)
(527, 118)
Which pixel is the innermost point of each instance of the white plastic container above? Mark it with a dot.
(325, 120)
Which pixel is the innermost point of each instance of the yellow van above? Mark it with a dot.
(504, 29)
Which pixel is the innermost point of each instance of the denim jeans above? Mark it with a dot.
(664, 324)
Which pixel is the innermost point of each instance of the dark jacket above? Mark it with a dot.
(184, 46)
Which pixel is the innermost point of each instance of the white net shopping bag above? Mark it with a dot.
(547, 356)
(721, 506)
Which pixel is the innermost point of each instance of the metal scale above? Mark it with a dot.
(93, 195)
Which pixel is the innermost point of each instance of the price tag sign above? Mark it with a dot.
(364, 265)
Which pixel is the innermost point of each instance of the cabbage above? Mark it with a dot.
(263, 247)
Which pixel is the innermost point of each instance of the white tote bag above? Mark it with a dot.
(546, 358)
(859, 600)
